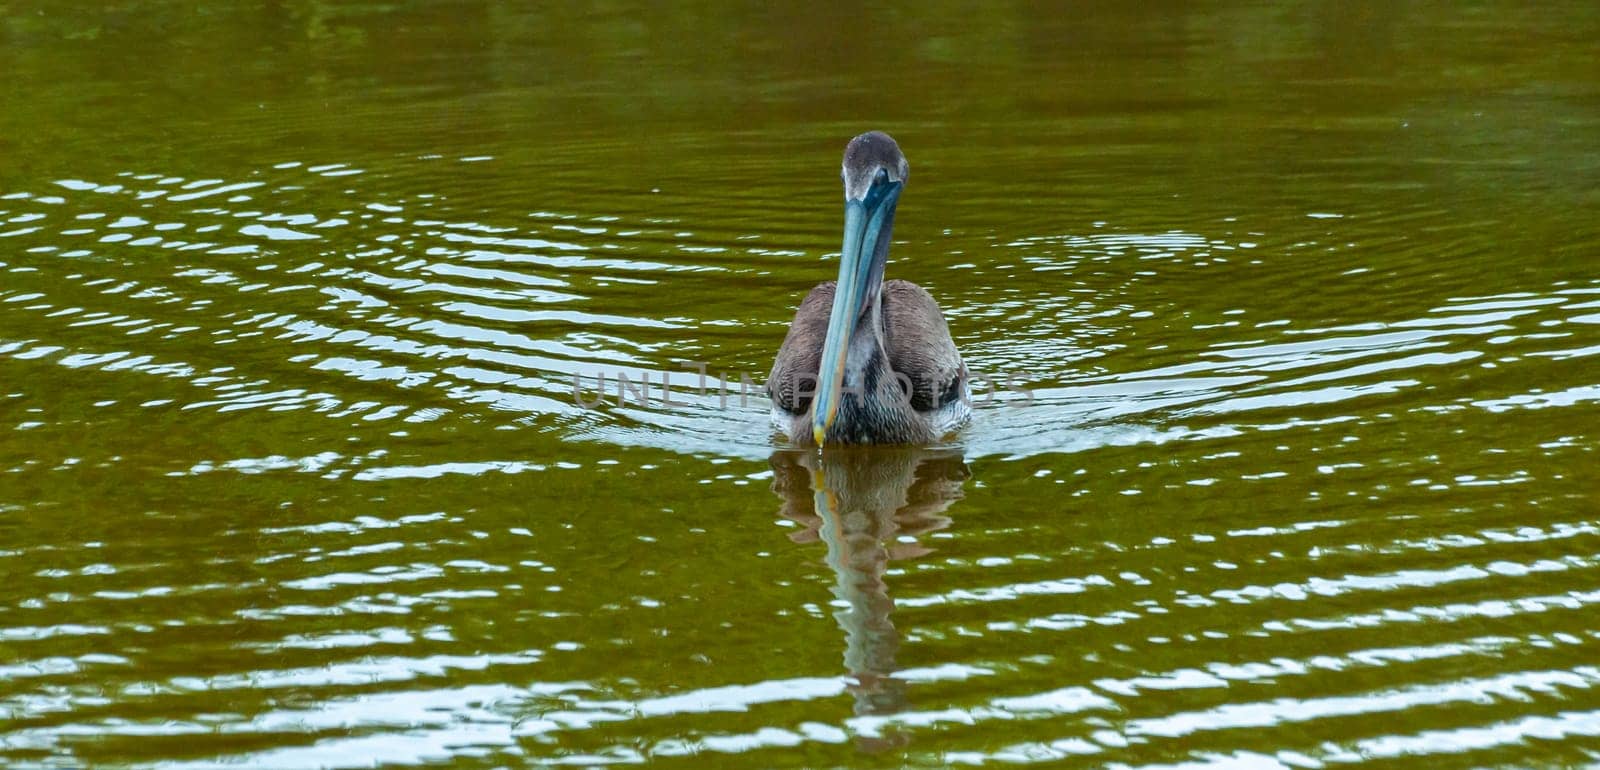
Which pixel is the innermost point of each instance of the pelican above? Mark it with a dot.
(868, 361)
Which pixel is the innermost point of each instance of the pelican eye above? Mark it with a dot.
(882, 177)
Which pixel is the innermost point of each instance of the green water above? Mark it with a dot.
(292, 296)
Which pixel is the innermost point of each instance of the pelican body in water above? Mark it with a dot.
(869, 361)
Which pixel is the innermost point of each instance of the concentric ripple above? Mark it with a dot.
(380, 386)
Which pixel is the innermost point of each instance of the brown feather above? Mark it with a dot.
(794, 371)
(915, 337)
(918, 343)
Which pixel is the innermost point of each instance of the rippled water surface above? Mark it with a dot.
(293, 295)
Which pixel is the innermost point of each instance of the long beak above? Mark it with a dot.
(867, 223)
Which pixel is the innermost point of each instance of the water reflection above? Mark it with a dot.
(869, 505)
(293, 475)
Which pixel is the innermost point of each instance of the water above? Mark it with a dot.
(292, 296)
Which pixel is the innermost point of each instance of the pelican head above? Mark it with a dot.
(874, 172)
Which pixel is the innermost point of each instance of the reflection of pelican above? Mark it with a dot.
(860, 502)
(877, 356)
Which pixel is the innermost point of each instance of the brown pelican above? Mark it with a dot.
(868, 361)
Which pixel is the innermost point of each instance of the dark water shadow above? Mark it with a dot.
(866, 505)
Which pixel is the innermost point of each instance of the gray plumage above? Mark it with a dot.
(864, 156)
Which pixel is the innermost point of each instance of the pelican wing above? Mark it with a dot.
(919, 345)
(794, 372)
